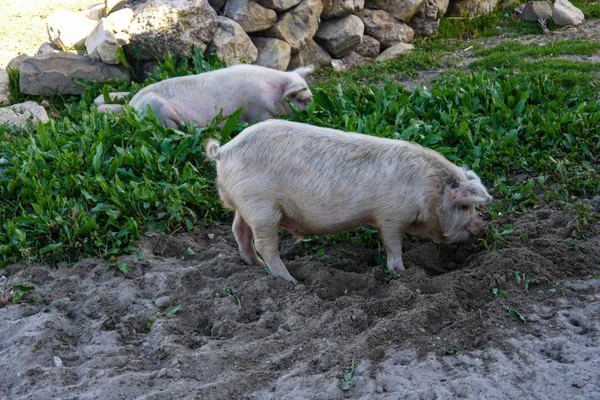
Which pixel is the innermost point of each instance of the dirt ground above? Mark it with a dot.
(23, 24)
(435, 332)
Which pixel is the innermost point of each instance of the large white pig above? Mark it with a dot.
(261, 92)
(312, 180)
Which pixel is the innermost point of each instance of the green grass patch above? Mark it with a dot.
(590, 8)
(556, 48)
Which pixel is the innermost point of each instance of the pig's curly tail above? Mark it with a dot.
(212, 149)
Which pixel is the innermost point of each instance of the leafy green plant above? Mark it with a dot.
(14, 291)
(348, 380)
(169, 314)
(515, 315)
(227, 291)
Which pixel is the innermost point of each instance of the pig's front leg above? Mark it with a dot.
(392, 239)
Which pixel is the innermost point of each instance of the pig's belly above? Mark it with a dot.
(322, 224)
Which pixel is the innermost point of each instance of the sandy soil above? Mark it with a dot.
(273, 340)
(23, 24)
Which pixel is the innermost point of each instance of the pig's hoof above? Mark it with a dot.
(396, 267)
(289, 278)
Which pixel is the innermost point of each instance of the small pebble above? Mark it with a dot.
(299, 287)
(211, 236)
(418, 291)
(57, 362)
(162, 302)
(161, 373)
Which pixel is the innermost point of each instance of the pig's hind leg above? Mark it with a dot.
(243, 235)
(264, 221)
(165, 112)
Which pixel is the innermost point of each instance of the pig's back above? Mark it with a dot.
(295, 155)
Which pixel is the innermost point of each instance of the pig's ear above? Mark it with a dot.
(472, 176)
(471, 193)
(304, 71)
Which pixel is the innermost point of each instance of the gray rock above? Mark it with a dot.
(232, 44)
(402, 10)
(175, 26)
(47, 48)
(16, 62)
(114, 5)
(119, 21)
(123, 38)
(442, 6)
(114, 97)
(299, 24)
(46, 74)
(146, 68)
(272, 53)
(23, 113)
(471, 8)
(535, 10)
(309, 54)
(95, 11)
(163, 302)
(425, 26)
(340, 8)
(279, 5)
(216, 4)
(4, 88)
(110, 108)
(566, 14)
(341, 35)
(67, 29)
(385, 28)
(369, 47)
(395, 51)
(250, 15)
(102, 44)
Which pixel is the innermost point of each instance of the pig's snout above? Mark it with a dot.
(475, 228)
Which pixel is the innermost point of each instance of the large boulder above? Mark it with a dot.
(442, 6)
(427, 20)
(4, 88)
(395, 51)
(311, 53)
(340, 8)
(120, 21)
(399, 9)
(471, 8)
(272, 53)
(534, 10)
(299, 24)
(232, 44)
(175, 26)
(46, 74)
(369, 47)
(23, 113)
(385, 28)
(564, 13)
(102, 44)
(341, 35)
(279, 5)
(95, 11)
(250, 15)
(67, 29)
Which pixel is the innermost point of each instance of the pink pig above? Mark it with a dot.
(311, 180)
